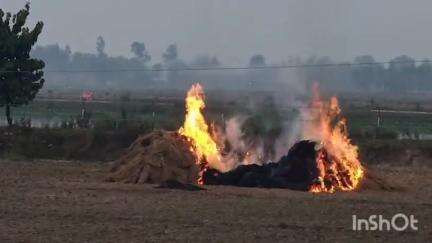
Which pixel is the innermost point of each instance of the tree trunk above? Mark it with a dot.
(8, 115)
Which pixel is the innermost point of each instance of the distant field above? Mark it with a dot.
(168, 108)
(68, 202)
(363, 119)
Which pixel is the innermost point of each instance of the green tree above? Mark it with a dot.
(402, 71)
(257, 60)
(20, 75)
(170, 54)
(140, 51)
(367, 74)
(100, 46)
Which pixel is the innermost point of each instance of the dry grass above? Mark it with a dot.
(68, 202)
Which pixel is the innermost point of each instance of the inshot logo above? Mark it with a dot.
(399, 222)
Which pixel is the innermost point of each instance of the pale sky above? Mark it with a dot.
(233, 30)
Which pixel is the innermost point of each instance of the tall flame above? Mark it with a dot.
(338, 162)
(195, 128)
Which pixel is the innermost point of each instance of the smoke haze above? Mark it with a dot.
(233, 29)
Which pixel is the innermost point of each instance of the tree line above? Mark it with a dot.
(401, 75)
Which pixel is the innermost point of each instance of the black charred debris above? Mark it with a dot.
(298, 170)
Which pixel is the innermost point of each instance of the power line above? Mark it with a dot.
(225, 68)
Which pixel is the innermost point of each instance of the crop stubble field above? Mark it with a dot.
(43, 201)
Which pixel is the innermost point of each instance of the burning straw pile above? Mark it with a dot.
(326, 161)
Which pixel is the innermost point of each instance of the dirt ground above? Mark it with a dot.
(55, 201)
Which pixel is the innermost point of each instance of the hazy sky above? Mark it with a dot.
(235, 29)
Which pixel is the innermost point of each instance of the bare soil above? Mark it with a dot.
(60, 201)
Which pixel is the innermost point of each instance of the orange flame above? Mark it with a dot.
(196, 130)
(338, 162)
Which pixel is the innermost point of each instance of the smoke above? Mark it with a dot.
(234, 133)
(264, 134)
(239, 150)
(292, 133)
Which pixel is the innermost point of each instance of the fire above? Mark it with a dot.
(337, 160)
(196, 130)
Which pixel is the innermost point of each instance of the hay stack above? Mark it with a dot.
(156, 157)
